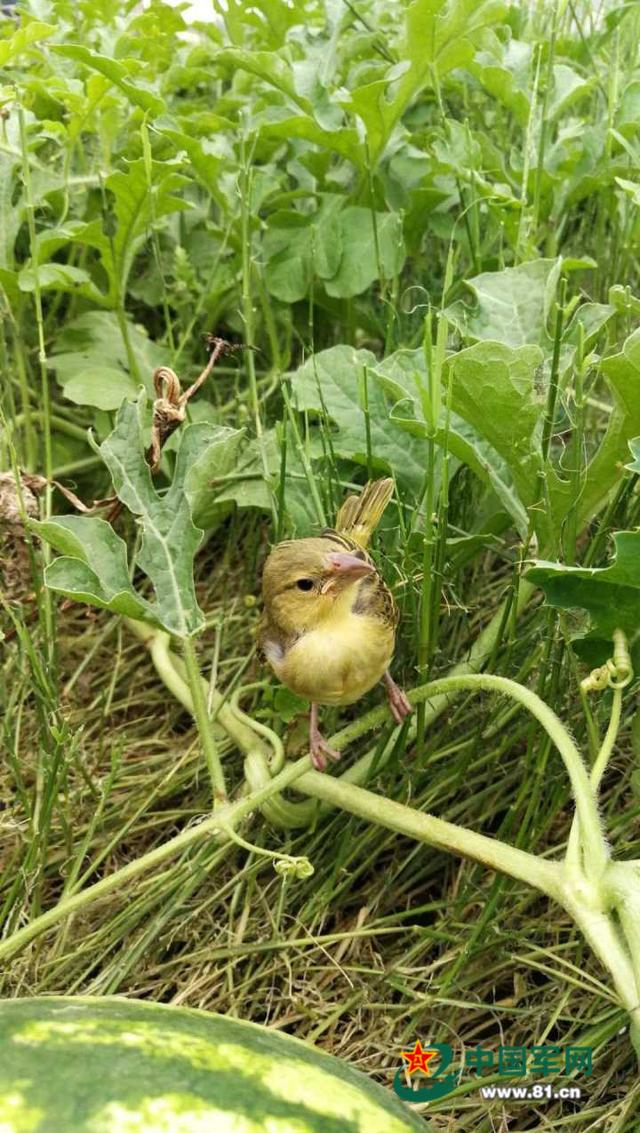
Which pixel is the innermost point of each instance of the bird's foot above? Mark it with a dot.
(321, 751)
(318, 746)
(398, 700)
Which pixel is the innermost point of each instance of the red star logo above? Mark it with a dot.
(419, 1059)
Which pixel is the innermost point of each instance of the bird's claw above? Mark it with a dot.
(399, 703)
(321, 751)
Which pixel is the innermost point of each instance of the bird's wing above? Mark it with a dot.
(375, 600)
(270, 639)
(360, 515)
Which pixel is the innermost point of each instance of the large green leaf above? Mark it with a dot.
(60, 277)
(331, 382)
(118, 72)
(372, 248)
(91, 361)
(610, 595)
(94, 565)
(504, 69)
(23, 39)
(500, 392)
(210, 454)
(271, 19)
(439, 35)
(622, 373)
(297, 249)
(206, 162)
(510, 306)
(142, 195)
(513, 306)
(348, 248)
(404, 377)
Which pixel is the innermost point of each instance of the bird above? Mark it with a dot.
(329, 621)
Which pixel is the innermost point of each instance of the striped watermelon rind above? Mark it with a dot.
(113, 1065)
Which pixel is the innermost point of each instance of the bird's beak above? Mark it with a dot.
(344, 568)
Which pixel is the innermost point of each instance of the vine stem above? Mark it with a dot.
(543, 875)
(45, 393)
(597, 771)
(441, 692)
(593, 841)
(203, 723)
(226, 816)
(547, 876)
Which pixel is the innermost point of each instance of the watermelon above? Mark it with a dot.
(113, 1065)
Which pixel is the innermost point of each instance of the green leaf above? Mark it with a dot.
(265, 65)
(298, 249)
(631, 188)
(439, 36)
(94, 564)
(510, 306)
(94, 567)
(248, 488)
(117, 71)
(568, 87)
(281, 122)
(500, 392)
(270, 18)
(403, 375)
(331, 382)
(24, 38)
(103, 387)
(11, 211)
(206, 161)
(610, 595)
(514, 307)
(60, 277)
(91, 363)
(142, 196)
(622, 373)
(506, 75)
(170, 538)
(210, 452)
(372, 248)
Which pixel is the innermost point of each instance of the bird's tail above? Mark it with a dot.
(360, 515)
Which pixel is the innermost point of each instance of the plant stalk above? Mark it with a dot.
(203, 723)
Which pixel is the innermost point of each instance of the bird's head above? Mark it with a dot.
(308, 581)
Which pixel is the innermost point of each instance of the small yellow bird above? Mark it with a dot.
(329, 622)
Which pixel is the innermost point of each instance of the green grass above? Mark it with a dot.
(163, 200)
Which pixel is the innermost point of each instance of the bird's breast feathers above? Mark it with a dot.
(336, 663)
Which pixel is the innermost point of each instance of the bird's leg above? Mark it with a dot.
(318, 745)
(398, 701)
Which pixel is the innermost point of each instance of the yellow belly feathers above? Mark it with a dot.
(337, 663)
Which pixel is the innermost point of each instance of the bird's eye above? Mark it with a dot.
(305, 584)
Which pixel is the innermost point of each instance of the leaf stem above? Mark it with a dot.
(203, 723)
(597, 771)
(248, 318)
(45, 394)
